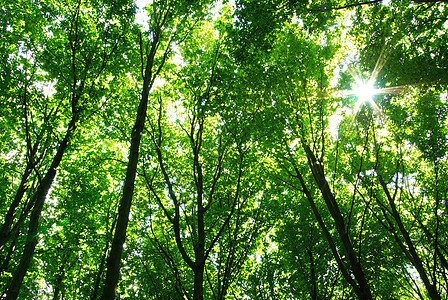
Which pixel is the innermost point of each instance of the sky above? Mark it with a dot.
(141, 15)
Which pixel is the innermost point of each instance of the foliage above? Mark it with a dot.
(214, 150)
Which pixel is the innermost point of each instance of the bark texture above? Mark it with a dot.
(39, 200)
(361, 286)
(114, 259)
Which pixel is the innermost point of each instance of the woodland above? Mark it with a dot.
(245, 149)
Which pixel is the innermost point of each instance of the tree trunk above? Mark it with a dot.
(312, 274)
(39, 200)
(318, 173)
(114, 259)
(5, 232)
(5, 263)
(60, 277)
(96, 287)
(416, 260)
(198, 293)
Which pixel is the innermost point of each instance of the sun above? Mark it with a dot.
(365, 91)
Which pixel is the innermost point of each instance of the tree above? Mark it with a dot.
(223, 151)
(202, 179)
(167, 19)
(89, 53)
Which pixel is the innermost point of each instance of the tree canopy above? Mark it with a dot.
(224, 149)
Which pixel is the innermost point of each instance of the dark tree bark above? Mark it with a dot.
(359, 283)
(5, 263)
(313, 279)
(319, 176)
(96, 287)
(198, 293)
(78, 81)
(5, 231)
(412, 252)
(201, 250)
(230, 264)
(32, 159)
(327, 234)
(99, 274)
(39, 200)
(60, 276)
(114, 259)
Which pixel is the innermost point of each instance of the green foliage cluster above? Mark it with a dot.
(256, 177)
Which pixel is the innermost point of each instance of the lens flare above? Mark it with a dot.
(365, 91)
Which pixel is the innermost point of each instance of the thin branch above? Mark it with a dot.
(327, 9)
(235, 200)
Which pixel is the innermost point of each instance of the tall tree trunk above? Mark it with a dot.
(313, 278)
(363, 291)
(60, 277)
(199, 253)
(198, 292)
(39, 200)
(96, 287)
(114, 259)
(5, 263)
(416, 260)
(5, 232)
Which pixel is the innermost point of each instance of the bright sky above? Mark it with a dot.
(141, 16)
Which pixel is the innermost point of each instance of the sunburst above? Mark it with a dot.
(364, 89)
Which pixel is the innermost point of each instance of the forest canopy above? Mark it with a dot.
(240, 149)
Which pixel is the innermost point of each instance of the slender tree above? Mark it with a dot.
(81, 70)
(164, 16)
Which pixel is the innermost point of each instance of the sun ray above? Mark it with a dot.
(395, 90)
(354, 74)
(382, 59)
(376, 108)
(364, 89)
